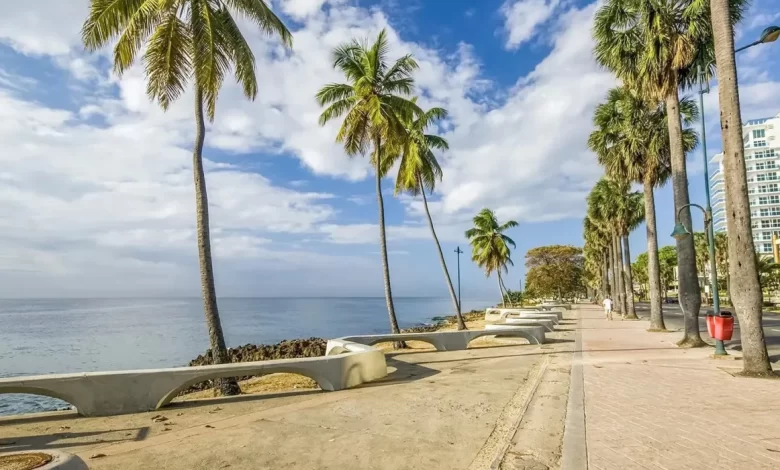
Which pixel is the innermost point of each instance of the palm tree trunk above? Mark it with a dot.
(621, 305)
(613, 273)
(604, 280)
(500, 289)
(620, 275)
(461, 323)
(653, 265)
(748, 300)
(688, 281)
(383, 243)
(631, 314)
(219, 353)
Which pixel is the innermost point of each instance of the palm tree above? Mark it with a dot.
(374, 114)
(183, 41)
(619, 211)
(655, 49)
(489, 245)
(597, 254)
(748, 300)
(631, 141)
(419, 170)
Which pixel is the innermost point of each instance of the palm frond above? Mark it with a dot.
(263, 17)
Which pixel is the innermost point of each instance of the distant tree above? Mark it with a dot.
(667, 260)
(641, 276)
(513, 297)
(555, 271)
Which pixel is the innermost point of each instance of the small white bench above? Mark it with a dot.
(449, 340)
(132, 391)
(552, 306)
(547, 323)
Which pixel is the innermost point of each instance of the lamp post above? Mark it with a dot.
(680, 232)
(459, 252)
(770, 34)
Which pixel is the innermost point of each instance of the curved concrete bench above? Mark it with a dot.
(498, 315)
(449, 340)
(110, 393)
(549, 306)
(547, 323)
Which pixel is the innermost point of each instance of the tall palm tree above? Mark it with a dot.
(187, 42)
(374, 110)
(419, 170)
(631, 141)
(748, 300)
(490, 247)
(655, 47)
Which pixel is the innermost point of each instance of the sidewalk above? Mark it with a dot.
(650, 405)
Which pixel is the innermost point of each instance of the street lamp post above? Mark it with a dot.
(679, 232)
(459, 252)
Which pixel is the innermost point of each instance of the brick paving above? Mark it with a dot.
(650, 405)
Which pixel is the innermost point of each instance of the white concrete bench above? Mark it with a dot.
(345, 365)
(551, 306)
(498, 315)
(547, 323)
(450, 340)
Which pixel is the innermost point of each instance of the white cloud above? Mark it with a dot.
(522, 19)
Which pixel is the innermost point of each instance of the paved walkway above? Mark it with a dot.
(650, 405)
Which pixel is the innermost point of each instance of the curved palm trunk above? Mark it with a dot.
(620, 276)
(689, 294)
(653, 265)
(631, 312)
(219, 354)
(748, 298)
(461, 323)
(501, 289)
(383, 243)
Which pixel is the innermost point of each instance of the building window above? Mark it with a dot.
(759, 143)
(769, 153)
(768, 188)
(767, 247)
(759, 133)
(763, 213)
(764, 224)
(766, 236)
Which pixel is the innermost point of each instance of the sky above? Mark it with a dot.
(96, 193)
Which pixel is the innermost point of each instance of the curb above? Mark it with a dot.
(574, 454)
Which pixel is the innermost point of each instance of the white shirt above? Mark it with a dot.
(608, 304)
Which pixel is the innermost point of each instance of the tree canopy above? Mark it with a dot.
(555, 271)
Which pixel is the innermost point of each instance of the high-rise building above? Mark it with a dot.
(762, 161)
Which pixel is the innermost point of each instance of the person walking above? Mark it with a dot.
(608, 308)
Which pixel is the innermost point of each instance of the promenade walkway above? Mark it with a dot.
(650, 405)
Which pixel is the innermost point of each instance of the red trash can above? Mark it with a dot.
(711, 324)
(723, 326)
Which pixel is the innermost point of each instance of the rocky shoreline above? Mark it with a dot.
(299, 348)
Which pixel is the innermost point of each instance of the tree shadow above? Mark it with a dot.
(52, 441)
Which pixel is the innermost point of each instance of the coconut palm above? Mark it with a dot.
(374, 111)
(490, 247)
(187, 42)
(631, 141)
(748, 299)
(418, 172)
(596, 254)
(655, 48)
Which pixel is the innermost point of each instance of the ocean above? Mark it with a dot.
(43, 336)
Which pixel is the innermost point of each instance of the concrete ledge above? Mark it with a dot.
(110, 393)
(551, 306)
(451, 340)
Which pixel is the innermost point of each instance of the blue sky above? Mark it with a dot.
(95, 185)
